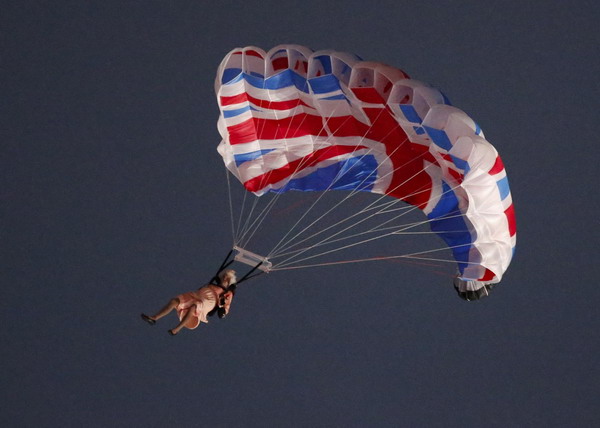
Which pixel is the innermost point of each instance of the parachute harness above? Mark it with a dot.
(243, 256)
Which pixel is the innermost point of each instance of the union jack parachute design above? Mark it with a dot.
(294, 119)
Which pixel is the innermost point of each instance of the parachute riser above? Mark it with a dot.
(226, 262)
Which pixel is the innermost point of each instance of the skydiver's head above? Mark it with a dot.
(228, 277)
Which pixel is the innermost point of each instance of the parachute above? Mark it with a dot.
(296, 120)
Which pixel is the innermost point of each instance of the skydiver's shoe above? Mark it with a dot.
(148, 319)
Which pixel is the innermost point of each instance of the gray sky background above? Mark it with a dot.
(114, 199)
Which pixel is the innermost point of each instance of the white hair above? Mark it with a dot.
(228, 274)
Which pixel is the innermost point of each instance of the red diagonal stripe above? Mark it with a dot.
(276, 175)
(487, 276)
(254, 129)
(498, 166)
(272, 105)
(512, 222)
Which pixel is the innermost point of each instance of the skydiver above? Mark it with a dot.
(194, 306)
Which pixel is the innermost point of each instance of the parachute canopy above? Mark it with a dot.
(294, 119)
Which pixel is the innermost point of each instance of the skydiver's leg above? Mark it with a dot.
(188, 316)
(166, 309)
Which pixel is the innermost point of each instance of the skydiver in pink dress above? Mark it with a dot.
(194, 306)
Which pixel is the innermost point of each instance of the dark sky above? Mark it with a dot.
(114, 199)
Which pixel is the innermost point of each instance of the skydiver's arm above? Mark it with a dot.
(228, 298)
